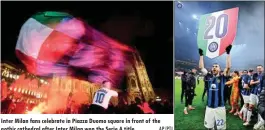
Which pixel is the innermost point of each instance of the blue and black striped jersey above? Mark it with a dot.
(216, 92)
(260, 85)
(254, 87)
(245, 79)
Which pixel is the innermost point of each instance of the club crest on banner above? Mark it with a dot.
(213, 47)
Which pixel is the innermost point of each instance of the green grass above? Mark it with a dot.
(195, 119)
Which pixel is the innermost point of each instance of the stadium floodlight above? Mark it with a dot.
(180, 23)
(194, 16)
(188, 29)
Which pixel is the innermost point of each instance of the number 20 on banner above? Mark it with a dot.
(216, 31)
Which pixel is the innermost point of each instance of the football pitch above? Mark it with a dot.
(195, 119)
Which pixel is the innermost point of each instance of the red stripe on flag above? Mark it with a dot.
(56, 46)
(28, 61)
(232, 27)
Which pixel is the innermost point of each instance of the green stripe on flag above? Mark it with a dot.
(56, 14)
(202, 43)
(50, 18)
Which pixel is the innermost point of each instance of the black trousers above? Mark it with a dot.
(189, 95)
(241, 99)
(95, 109)
(182, 93)
(227, 94)
(204, 91)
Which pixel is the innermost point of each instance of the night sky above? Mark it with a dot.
(146, 25)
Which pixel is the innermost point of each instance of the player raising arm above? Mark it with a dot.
(228, 62)
(215, 114)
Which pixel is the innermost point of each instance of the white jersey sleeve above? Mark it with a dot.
(204, 71)
(114, 93)
(103, 96)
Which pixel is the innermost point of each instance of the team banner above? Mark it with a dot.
(216, 31)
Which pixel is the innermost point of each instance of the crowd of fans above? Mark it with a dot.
(9, 106)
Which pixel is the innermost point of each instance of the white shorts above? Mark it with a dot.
(215, 116)
(246, 98)
(254, 99)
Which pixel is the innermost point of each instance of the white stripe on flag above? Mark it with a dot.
(32, 36)
(73, 28)
(214, 39)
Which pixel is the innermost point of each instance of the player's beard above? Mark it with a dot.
(215, 72)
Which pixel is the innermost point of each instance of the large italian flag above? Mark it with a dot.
(56, 42)
(45, 38)
(216, 31)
